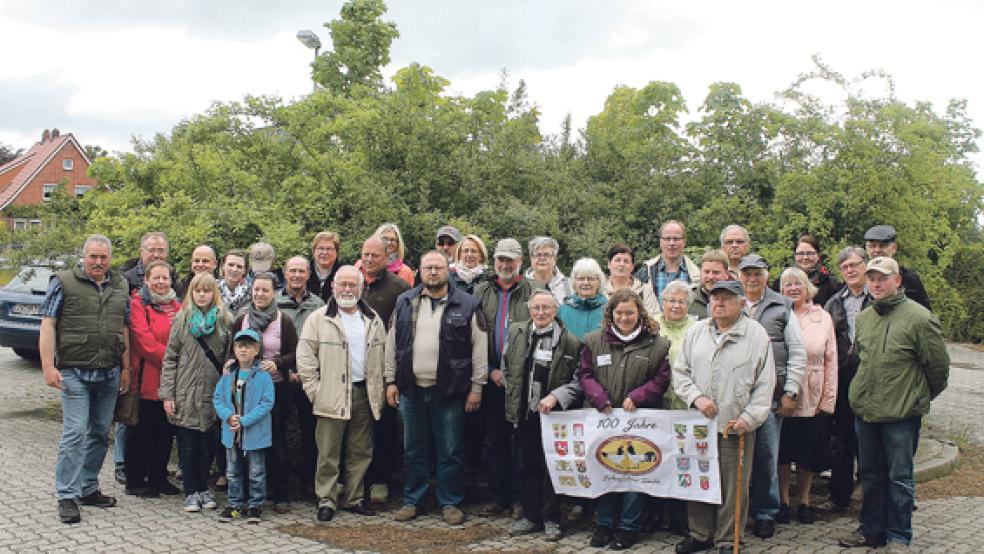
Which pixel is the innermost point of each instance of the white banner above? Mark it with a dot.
(663, 453)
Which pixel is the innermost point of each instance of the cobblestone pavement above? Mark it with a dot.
(30, 426)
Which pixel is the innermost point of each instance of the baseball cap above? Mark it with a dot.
(247, 335)
(449, 231)
(261, 257)
(753, 261)
(880, 233)
(883, 265)
(508, 248)
(728, 285)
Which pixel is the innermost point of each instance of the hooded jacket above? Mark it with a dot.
(582, 315)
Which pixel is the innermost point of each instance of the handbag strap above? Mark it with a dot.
(209, 354)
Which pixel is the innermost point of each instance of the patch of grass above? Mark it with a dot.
(388, 538)
(6, 275)
(964, 481)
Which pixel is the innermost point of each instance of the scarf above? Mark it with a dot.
(626, 338)
(203, 324)
(468, 275)
(232, 297)
(259, 320)
(394, 264)
(160, 299)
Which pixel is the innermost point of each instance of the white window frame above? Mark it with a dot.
(20, 224)
(82, 189)
(46, 191)
(68, 164)
(35, 223)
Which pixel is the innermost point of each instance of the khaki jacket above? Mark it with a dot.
(739, 374)
(188, 377)
(323, 362)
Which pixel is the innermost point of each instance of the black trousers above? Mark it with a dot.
(195, 450)
(306, 421)
(385, 449)
(277, 461)
(842, 474)
(539, 500)
(148, 446)
(498, 443)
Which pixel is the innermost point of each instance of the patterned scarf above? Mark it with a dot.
(203, 324)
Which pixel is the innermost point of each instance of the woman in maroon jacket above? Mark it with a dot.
(278, 353)
(148, 444)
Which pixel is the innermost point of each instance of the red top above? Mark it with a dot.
(150, 327)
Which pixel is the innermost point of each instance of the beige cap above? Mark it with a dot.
(884, 265)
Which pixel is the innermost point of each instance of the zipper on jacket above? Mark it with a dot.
(885, 340)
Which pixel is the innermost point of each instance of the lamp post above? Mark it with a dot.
(311, 40)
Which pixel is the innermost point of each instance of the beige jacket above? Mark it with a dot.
(323, 362)
(645, 292)
(739, 374)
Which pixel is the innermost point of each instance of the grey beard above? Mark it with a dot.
(348, 302)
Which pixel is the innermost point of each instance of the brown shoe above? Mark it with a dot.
(406, 513)
(453, 515)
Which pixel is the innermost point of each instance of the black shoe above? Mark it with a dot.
(230, 513)
(142, 492)
(120, 474)
(728, 550)
(764, 528)
(624, 539)
(601, 537)
(652, 524)
(325, 513)
(361, 509)
(784, 516)
(254, 514)
(97, 500)
(805, 514)
(168, 489)
(68, 511)
(690, 544)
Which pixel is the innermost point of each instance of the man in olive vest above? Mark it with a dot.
(84, 354)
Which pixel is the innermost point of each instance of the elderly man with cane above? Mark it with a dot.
(726, 371)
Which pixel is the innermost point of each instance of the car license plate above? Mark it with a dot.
(25, 309)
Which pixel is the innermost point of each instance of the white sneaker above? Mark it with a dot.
(208, 501)
(379, 493)
(193, 503)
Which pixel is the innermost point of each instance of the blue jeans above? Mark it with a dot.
(87, 411)
(239, 465)
(631, 505)
(885, 458)
(429, 414)
(119, 445)
(195, 455)
(763, 495)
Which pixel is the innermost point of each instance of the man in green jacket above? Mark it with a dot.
(903, 365)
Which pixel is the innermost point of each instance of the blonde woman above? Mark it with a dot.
(471, 268)
(190, 370)
(389, 233)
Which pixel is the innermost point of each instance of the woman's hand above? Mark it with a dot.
(268, 366)
(628, 405)
(547, 403)
(169, 407)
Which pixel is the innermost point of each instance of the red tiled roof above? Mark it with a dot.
(31, 162)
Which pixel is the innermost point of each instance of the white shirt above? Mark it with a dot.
(355, 335)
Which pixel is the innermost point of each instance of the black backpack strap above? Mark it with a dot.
(209, 354)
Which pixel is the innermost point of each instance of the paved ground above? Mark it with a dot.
(29, 431)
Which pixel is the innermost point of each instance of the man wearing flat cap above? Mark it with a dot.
(774, 312)
(903, 365)
(726, 370)
(446, 242)
(880, 240)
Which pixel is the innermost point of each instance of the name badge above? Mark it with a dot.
(604, 359)
(543, 355)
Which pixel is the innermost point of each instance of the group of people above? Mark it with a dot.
(469, 350)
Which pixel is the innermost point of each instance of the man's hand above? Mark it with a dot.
(607, 410)
(787, 405)
(392, 396)
(124, 380)
(496, 376)
(294, 378)
(234, 423)
(628, 405)
(706, 406)
(53, 377)
(473, 401)
(739, 426)
(268, 366)
(169, 407)
(547, 403)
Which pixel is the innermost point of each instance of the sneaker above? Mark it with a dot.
(97, 499)
(805, 514)
(254, 514)
(601, 537)
(406, 513)
(551, 531)
(690, 544)
(230, 513)
(784, 515)
(895, 546)
(624, 539)
(208, 501)
(193, 503)
(857, 539)
(120, 475)
(379, 493)
(524, 527)
(281, 507)
(326, 513)
(68, 511)
(453, 515)
(764, 528)
(576, 513)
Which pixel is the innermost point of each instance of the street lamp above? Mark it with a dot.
(311, 40)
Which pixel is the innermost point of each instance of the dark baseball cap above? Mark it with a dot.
(880, 233)
(753, 261)
(728, 285)
(449, 231)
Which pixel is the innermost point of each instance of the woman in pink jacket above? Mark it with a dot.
(800, 437)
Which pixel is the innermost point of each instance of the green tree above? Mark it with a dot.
(361, 44)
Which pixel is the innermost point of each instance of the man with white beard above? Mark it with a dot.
(340, 362)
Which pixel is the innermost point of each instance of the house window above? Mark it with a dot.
(68, 164)
(47, 190)
(35, 223)
(20, 224)
(81, 189)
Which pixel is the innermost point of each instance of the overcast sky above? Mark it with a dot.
(107, 70)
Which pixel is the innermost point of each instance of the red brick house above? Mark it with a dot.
(30, 178)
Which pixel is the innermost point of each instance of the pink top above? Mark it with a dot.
(271, 342)
(819, 391)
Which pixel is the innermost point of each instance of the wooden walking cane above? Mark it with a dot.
(741, 471)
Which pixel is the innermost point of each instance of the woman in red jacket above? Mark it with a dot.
(148, 445)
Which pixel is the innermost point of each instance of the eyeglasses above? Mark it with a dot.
(587, 279)
(342, 285)
(324, 249)
(542, 309)
(543, 255)
(674, 302)
(850, 265)
(735, 242)
(446, 241)
(671, 239)
(806, 254)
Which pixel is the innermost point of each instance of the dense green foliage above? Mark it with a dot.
(358, 152)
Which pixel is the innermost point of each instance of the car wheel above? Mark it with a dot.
(27, 354)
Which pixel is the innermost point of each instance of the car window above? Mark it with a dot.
(29, 280)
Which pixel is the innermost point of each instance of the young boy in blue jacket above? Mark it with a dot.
(243, 399)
